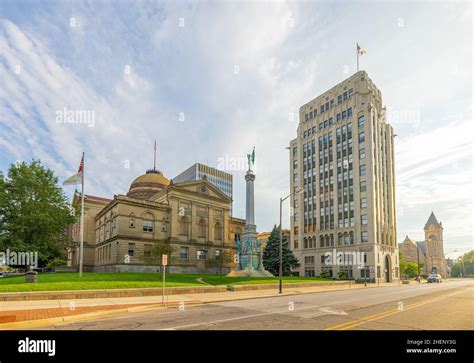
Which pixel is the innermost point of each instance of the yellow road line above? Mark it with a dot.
(369, 318)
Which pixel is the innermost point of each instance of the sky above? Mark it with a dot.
(210, 80)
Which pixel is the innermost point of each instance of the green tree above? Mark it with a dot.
(464, 265)
(160, 248)
(221, 260)
(342, 275)
(34, 212)
(271, 254)
(407, 268)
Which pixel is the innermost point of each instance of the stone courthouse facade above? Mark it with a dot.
(120, 233)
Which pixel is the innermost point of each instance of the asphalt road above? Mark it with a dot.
(449, 305)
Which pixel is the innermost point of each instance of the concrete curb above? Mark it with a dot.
(109, 293)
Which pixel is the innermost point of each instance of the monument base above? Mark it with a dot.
(249, 273)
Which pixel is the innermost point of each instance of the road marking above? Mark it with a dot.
(328, 310)
(378, 316)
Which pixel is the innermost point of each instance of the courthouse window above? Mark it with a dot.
(131, 249)
(201, 255)
(147, 226)
(184, 253)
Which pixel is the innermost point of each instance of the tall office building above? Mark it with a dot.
(342, 165)
(221, 179)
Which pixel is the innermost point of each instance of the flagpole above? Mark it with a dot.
(82, 222)
(357, 51)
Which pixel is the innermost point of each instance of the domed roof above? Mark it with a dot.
(148, 184)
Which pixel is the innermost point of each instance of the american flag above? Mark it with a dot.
(81, 165)
(360, 51)
(76, 178)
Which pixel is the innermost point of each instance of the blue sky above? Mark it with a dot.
(210, 80)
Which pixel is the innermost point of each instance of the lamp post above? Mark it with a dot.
(280, 272)
(418, 261)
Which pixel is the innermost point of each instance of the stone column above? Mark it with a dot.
(249, 206)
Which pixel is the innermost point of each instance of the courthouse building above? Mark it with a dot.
(342, 176)
(120, 233)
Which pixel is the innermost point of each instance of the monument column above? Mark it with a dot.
(249, 206)
(249, 249)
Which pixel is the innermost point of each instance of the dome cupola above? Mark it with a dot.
(148, 184)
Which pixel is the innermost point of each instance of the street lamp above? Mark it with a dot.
(418, 261)
(280, 272)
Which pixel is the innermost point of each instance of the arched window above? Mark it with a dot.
(218, 231)
(346, 239)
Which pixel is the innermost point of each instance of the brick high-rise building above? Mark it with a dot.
(343, 159)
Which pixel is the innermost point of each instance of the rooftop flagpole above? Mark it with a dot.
(357, 52)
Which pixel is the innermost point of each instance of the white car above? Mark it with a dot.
(434, 278)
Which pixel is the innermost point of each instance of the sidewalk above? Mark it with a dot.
(24, 314)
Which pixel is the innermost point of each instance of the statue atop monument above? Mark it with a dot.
(251, 159)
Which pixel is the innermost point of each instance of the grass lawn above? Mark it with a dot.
(122, 280)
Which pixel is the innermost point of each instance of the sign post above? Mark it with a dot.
(164, 263)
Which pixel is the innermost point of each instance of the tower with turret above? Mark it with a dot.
(435, 261)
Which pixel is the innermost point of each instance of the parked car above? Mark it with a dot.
(434, 278)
